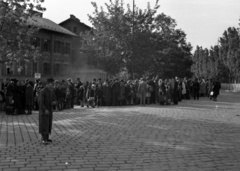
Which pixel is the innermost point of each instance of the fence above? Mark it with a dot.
(227, 86)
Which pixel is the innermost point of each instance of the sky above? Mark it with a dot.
(204, 21)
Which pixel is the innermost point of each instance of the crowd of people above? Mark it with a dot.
(21, 97)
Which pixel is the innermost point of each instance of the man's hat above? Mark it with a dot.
(50, 80)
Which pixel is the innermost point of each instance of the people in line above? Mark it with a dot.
(23, 96)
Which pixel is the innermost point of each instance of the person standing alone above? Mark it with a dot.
(45, 111)
(196, 88)
(142, 90)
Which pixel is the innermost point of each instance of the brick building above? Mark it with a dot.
(61, 57)
(81, 68)
(55, 43)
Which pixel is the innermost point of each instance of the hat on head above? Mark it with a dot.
(50, 80)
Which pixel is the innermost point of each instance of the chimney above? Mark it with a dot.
(74, 18)
(37, 14)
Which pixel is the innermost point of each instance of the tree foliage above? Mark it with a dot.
(15, 31)
(222, 60)
(139, 41)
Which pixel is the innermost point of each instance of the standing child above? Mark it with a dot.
(81, 95)
(91, 95)
(68, 98)
(99, 95)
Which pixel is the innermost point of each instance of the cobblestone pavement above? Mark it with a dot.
(194, 135)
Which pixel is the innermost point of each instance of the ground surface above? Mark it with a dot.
(194, 135)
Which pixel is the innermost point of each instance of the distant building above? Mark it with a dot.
(80, 62)
(60, 46)
(55, 43)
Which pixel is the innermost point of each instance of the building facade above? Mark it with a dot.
(61, 57)
(81, 67)
(55, 43)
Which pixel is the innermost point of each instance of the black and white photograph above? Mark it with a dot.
(119, 85)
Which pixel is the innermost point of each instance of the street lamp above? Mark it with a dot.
(132, 41)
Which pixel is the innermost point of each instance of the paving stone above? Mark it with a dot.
(194, 135)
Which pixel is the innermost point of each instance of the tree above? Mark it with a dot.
(104, 44)
(138, 41)
(16, 32)
(230, 51)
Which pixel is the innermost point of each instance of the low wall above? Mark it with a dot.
(227, 86)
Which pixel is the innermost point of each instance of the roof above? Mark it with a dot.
(78, 22)
(47, 24)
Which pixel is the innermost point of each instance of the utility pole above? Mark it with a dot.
(132, 75)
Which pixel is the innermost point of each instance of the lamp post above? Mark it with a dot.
(131, 63)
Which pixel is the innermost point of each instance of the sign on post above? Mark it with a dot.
(37, 75)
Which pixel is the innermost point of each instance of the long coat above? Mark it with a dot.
(45, 103)
(203, 87)
(175, 93)
(106, 93)
(216, 88)
(29, 95)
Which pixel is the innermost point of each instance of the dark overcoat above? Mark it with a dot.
(29, 96)
(45, 103)
(175, 93)
(107, 93)
(216, 88)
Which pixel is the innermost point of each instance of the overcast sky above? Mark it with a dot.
(204, 21)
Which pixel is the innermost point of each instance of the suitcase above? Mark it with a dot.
(9, 110)
(162, 99)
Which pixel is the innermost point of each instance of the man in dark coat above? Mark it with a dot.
(115, 92)
(72, 92)
(106, 93)
(45, 111)
(29, 97)
(175, 93)
(196, 88)
(216, 89)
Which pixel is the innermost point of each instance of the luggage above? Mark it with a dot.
(9, 110)
(162, 99)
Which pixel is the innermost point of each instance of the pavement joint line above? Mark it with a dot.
(124, 135)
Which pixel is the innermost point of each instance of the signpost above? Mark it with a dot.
(37, 75)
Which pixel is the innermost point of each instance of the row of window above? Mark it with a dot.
(28, 69)
(58, 69)
(61, 47)
(45, 45)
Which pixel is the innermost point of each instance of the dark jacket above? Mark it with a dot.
(45, 103)
(29, 95)
(216, 87)
(106, 92)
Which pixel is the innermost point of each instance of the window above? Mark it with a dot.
(9, 70)
(35, 67)
(57, 69)
(22, 68)
(36, 42)
(29, 68)
(61, 47)
(75, 29)
(45, 45)
(65, 69)
(67, 48)
(46, 69)
(57, 46)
